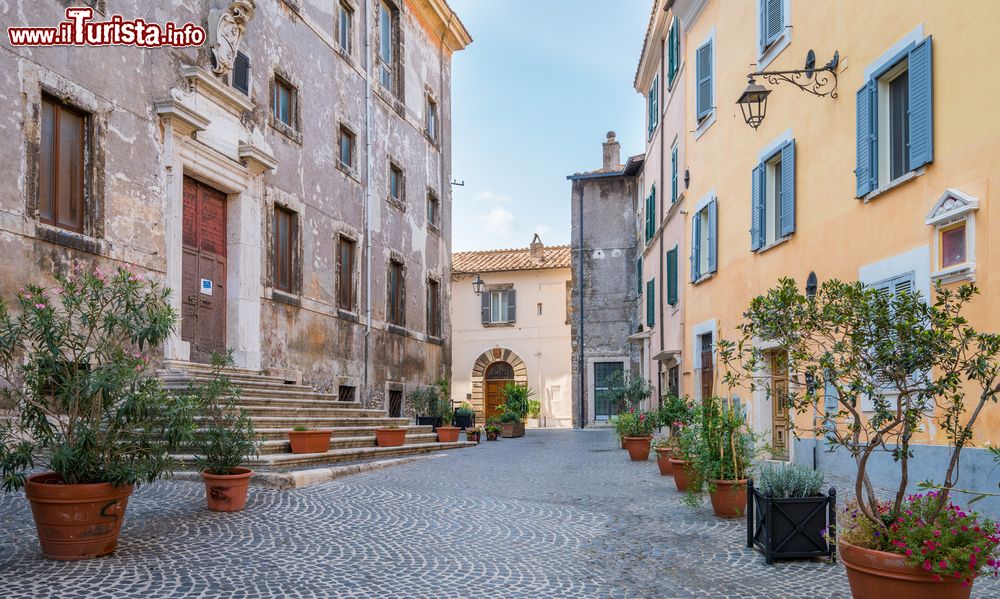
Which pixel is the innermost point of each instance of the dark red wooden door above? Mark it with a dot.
(203, 282)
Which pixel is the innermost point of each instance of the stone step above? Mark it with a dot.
(292, 392)
(274, 446)
(175, 369)
(270, 434)
(310, 412)
(290, 422)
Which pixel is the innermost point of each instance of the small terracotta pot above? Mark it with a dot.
(309, 441)
(685, 475)
(76, 522)
(638, 448)
(390, 437)
(448, 434)
(227, 492)
(729, 499)
(663, 461)
(876, 574)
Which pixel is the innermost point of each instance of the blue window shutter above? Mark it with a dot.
(651, 302)
(672, 277)
(761, 25)
(921, 109)
(713, 235)
(695, 246)
(673, 175)
(512, 305)
(864, 171)
(757, 207)
(703, 72)
(788, 188)
(775, 22)
(656, 101)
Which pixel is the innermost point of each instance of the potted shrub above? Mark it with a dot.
(390, 436)
(687, 479)
(788, 515)
(876, 367)
(447, 434)
(534, 413)
(514, 409)
(304, 440)
(424, 401)
(226, 440)
(473, 435)
(636, 429)
(493, 429)
(724, 455)
(73, 373)
(673, 413)
(465, 416)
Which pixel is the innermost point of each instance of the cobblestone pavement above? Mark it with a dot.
(557, 514)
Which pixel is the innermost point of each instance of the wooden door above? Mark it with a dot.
(779, 405)
(494, 397)
(203, 277)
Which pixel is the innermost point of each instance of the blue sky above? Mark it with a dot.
(532, 99)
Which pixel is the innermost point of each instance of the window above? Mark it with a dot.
(606, 376)
(345, 27)
(704, 236)
(499, 306)
(395, 403)
(772, 22)
(283, 102)
(954, 220)
(347, 141)
(653, 106)
(673, 174)
(703, 81)
(651, 302)
(953, 245)
(346, 249)
(894, 127)
(773, 197)
(651, 214)
(673, 381)
(539, 308)
(395, 183)
(433, 308)
(284, 249)
(240, 76)
(386, 53)
(432, 119)
(673, 53)
(346, 393)
(395, 305)
(61, 166)
(433, 211)
(672, 277)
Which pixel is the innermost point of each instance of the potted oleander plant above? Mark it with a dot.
(673, 413)
(88, 425)
(724, 455)
(465, 416)
(876, 367)
(493, 429)
(687, 479)
(392, 435)
(788, 514)
(225, 440)
(514, 409)
(636, 428)
(424, 401)
(446, 412)
(305, 440)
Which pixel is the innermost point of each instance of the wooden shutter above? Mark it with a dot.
(671, 57)
(921, 109)
(713, 235)
(703, 76)
(512, 306)
(638, 275)
(865, 136)
(241, 73)
(485, 306)
(757, 207)
(651, 302)
(695, 246)
(672, 277)
(787, 202)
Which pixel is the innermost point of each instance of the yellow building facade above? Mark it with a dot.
(887, 183)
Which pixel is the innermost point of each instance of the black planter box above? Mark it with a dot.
(791, 527)
(432, 421)
(465, 421)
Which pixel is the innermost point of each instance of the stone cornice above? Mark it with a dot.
(201, 80)
(443, 19)
(256, 160)
(184, 120)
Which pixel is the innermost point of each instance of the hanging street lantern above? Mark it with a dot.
(477, 285)
(753, 103)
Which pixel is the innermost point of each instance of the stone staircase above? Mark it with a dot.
(277, 406)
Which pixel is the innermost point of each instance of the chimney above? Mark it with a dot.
(537, 251)
(612, 153)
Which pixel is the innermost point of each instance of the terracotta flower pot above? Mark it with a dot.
(876, 574)
(76, 521)
(227, 492)
(663, 461)
(309, 441)
(729, 499)
(390, 437)
(685, 475)
(448, 434)
(638, 448)
(622, 440)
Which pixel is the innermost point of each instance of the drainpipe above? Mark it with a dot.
(663, 233)
(580, 342)
(368, 194)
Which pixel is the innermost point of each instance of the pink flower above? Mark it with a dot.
(40, 306)
(927, 565)
(937, 533)
(909, 552)
(942, 564)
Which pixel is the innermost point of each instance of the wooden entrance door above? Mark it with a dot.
(203, 277)
(779, 405)
(498, 374)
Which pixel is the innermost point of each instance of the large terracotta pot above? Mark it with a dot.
(227, 492)
(622, 440)
(309, 441)
(448, 434)
(729, 499)
(638, 448)
(877, 574)
(390, 437)
(685, 475)
(76, 521)
(663, 461)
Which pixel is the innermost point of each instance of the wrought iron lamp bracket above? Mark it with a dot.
(821, 81)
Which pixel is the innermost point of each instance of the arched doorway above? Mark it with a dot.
(498, 374)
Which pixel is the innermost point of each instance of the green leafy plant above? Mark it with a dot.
(725, 450)
(425, 400)
(446, 411)
(226, 439)
(443, 387)
(300, 428)
(493, 426)
(788, 480)
(674, 412)
(628, 393)
(72, 370)
(636, 424)
(509, 417)
(516, 401)
(534, 408)
(465, 409)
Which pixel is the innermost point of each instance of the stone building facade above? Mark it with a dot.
(604, 297)
(288, 179)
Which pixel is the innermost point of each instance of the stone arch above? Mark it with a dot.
(497, 354)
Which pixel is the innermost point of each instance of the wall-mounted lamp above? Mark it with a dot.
(753, 100)
(811, 286)
(477, 285)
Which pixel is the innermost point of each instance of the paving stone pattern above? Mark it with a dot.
(558, 514)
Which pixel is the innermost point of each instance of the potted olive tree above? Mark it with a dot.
(446, 412)
(424, 401)
(224, 442)
(876, 367)
(73, 361)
